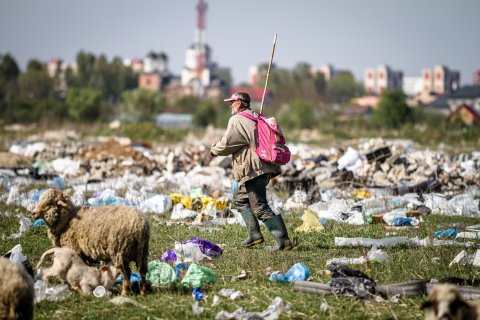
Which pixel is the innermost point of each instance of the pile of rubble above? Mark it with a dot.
(381, 164)
(396, 166)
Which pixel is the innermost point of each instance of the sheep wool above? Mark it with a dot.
(112, 233)
(16, 291)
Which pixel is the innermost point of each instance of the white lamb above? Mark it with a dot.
(69, 267)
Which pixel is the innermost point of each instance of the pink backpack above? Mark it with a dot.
(271, 143)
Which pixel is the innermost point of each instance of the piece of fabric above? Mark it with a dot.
(241, 133)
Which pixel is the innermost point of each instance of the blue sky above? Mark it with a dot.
(408, 35)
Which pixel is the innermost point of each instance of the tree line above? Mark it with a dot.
(99, 90)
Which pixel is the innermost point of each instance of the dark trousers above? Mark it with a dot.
(253, 194)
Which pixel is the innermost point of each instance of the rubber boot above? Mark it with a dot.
(254, 235)
(277, 228)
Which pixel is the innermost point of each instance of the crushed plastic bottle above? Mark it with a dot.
(298, 271)
(40, 288)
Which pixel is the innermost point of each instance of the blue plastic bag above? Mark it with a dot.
(39, 223)
(198, 295)
(402, 221)
(297, 272)
(446, 233)
(134, 277)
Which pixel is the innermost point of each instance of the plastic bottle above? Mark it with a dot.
(298, 271)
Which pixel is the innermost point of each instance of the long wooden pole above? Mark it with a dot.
(268, 72)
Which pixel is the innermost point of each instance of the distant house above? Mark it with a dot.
(468, 95)
(466, 114)
(355, 111)
(155, 75)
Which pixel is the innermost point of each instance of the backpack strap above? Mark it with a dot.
(248, 115)
(253, 118)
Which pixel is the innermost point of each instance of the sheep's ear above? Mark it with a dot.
(61, 203)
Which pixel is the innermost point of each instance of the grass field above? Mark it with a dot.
(313, 249)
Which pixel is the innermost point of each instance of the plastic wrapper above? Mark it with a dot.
(377, 255)
(179, 212)
(446, 233)
(345, 260)
(273, 311)
(403, 221)
(310, 223)
(208, 248)
(298, 271)
(158, 204)
(197, 276)
(350, 160)
(169, 255)
(160, 273)
(134, 277)
(367, 242)
(189, 252)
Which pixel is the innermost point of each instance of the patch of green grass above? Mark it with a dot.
(313, 249)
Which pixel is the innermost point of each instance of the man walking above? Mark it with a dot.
(252, 174)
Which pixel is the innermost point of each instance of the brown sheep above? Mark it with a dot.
(445, 302)
(111, 233)
(16, 291)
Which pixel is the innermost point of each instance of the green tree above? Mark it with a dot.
(299, 114)
(343, 87)
(187, 104)
(9, 73)
(35, 83)
(302, 72)
(320, 83)
(392, 110)
(142, 103)
(205, 114)
(84, 104)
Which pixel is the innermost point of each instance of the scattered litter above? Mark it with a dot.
(198, 275)
(126, 300)
(446, 233)
(273, 311)
(298, 271)
(216, 301)
(324, 307)
(25, 224)
(160, 273)
(196, 309)
(232, 294)
(310, 223)
(100, 292)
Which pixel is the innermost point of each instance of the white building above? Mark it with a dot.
(383, 77)
(412, 86)
(440, 80)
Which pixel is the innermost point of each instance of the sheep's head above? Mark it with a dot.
(444, 302)
(108, 275)
(52, 207)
